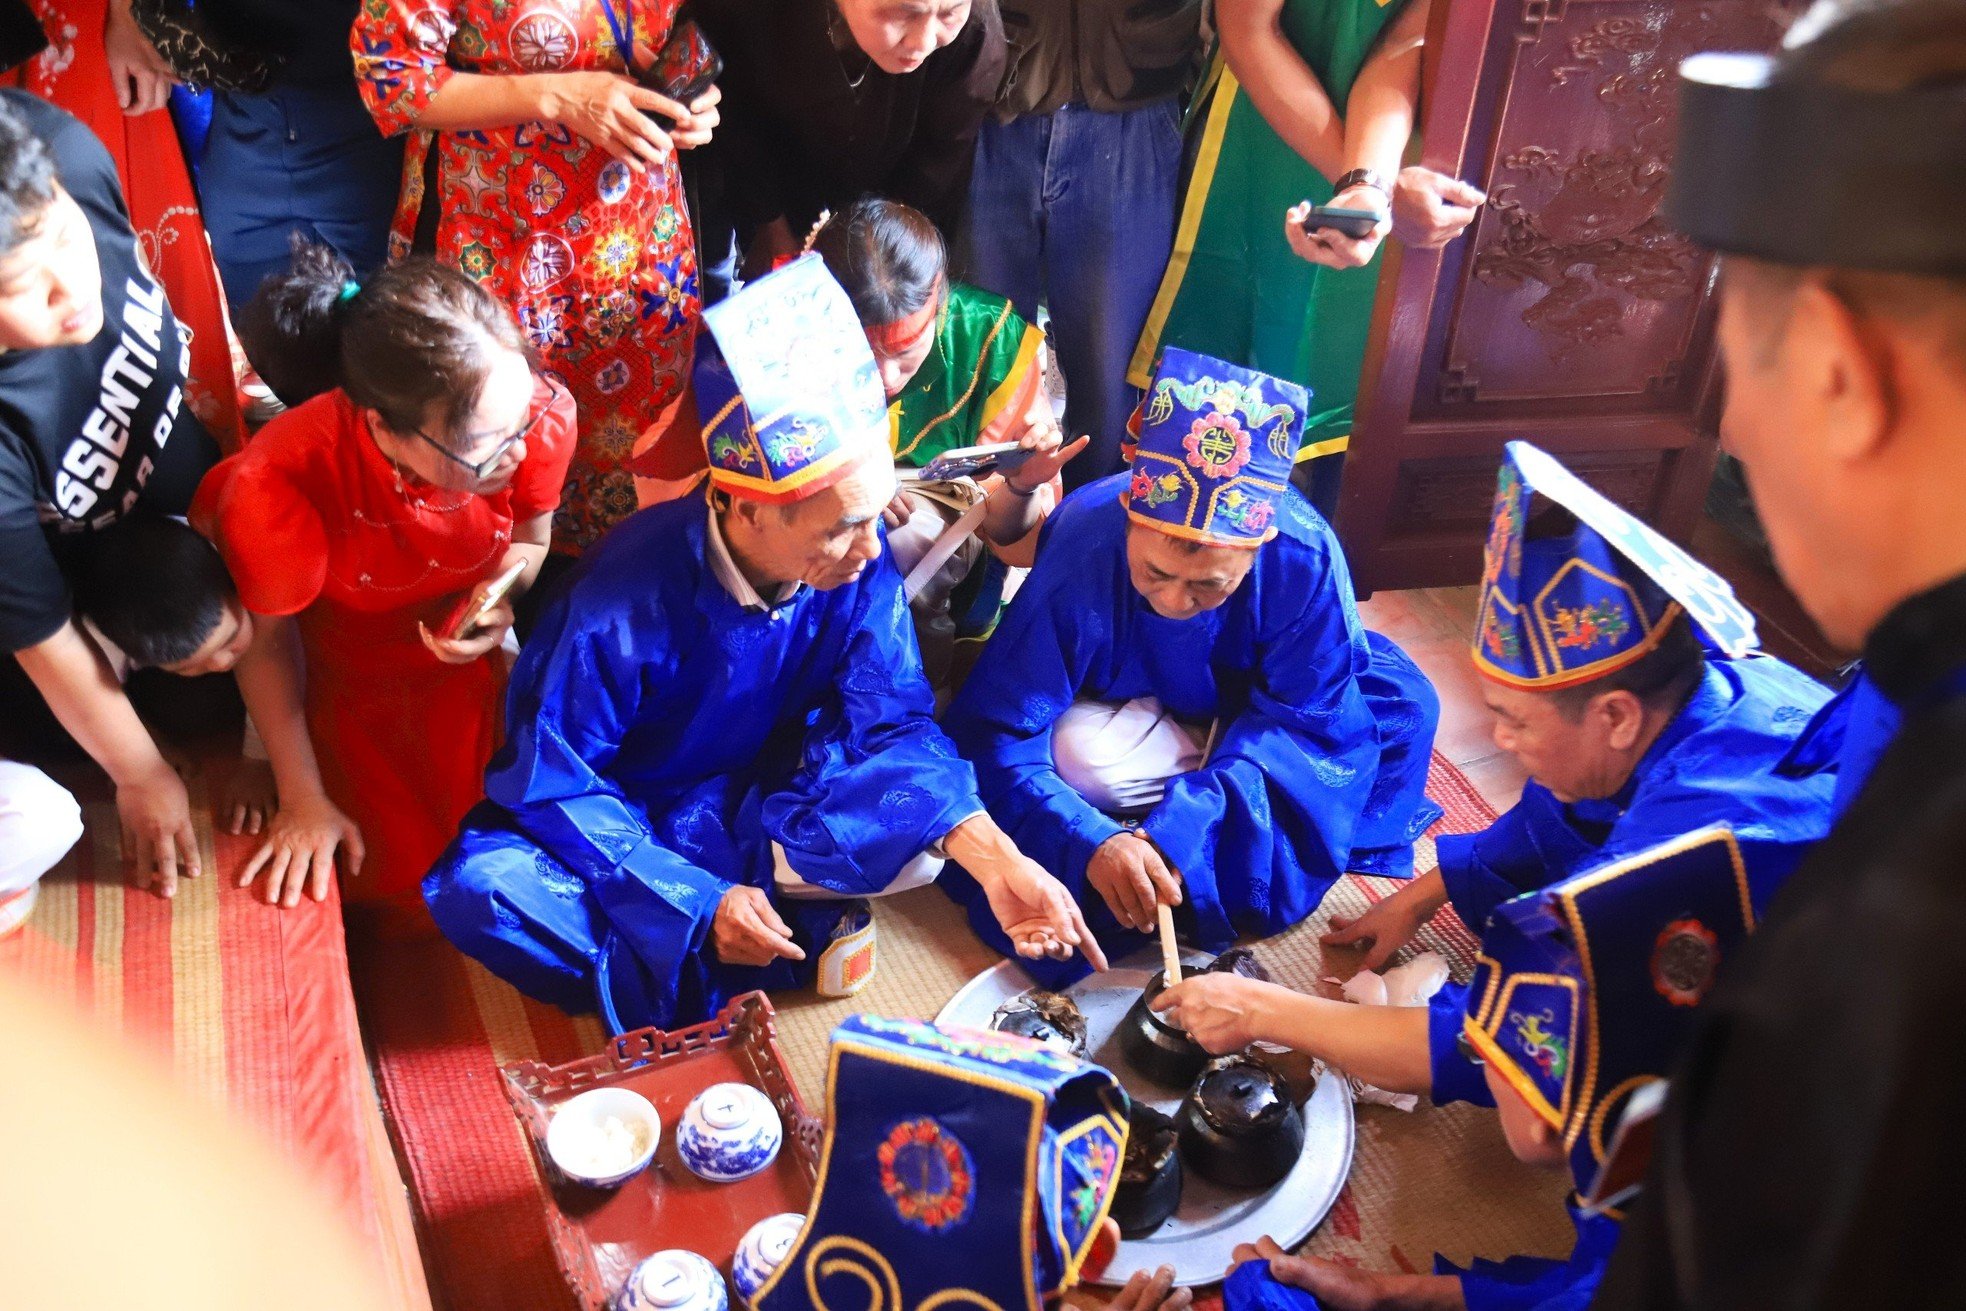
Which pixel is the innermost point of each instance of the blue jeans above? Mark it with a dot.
(1076, 209)
(295, 159)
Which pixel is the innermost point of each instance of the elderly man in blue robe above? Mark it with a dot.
(719, 736)
(1634, 732)
(1181, 706)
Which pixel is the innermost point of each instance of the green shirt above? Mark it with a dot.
(1233, 288)
(980, 377)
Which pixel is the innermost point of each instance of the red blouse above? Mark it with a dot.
(312, 516)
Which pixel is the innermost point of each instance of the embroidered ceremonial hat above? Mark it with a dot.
(1214, 450)
(959, 1166)
(788, 392)
(1564, 609)
(1582, 991)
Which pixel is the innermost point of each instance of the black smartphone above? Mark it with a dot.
(687, 66)
(969, 462)
(1354, 223)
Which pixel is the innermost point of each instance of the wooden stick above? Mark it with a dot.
(1170, 955)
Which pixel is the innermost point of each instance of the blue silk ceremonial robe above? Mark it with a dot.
(1727, 757)
(660, 737)
(1319, 764)
(1848, 735)
(1521, 1283)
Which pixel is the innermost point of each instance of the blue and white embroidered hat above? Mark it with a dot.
(787, 390)
(1215, 447)
(1567, 608)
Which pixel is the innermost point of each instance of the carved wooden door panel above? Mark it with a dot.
(1569, 314)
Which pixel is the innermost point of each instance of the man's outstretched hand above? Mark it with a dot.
(1035, 910)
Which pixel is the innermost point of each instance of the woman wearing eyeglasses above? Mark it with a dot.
(356, 525)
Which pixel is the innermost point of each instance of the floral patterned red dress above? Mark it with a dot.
(597, 261)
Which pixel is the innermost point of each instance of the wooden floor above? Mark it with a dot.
(1433, 625)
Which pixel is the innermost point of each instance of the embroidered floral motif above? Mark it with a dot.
(1585, 626)
(546, 322)
(1504, 551)
(728, 452)
(609, 317)
(672, 299)
(613, 182)
(613, 497)
(611, 379)
(614, 436)
(476, 261)
(1501, 640)
(1099, 1162)
(1550, 1051)
(1684, 960)
(1152, 492)
(1246, 514)
(479, 176)
(544, 190)
(928, 1174)
(613, 256)
(1217, 445)
(543, 41)
(532, 136)
(469, 43)
(547, 260)
(791, 451)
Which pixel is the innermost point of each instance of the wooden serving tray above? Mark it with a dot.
(599, 1236)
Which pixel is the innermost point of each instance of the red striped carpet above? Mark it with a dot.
(1437, 1179)
(241, 1002)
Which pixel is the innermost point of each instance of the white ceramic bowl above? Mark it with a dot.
(764, 1246)
(674, 1280)
(730, 1131)
(604, 1136)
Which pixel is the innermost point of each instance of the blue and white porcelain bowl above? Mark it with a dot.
(603, 1137)
(764, 1247)
(674, 1280)
(730, 1131)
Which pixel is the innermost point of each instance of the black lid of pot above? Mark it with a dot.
(1239, 1097)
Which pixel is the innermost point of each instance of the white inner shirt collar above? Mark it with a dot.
(732, 579)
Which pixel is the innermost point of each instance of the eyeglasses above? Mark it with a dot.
(482, 467)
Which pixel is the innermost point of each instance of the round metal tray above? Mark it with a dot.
(1198, 1240)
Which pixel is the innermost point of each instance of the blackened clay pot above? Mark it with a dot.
(1047, 1017)
(1150, 1175)
(1240, 1127)
(1161, 1051)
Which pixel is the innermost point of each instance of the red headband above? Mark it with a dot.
(901, 336)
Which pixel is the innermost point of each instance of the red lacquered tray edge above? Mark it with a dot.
(746, 1022)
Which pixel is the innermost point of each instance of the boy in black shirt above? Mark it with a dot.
(92, 424)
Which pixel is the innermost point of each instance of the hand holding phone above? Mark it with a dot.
(468, 615)
(1354, 223)
(969, 462)
(685, 69)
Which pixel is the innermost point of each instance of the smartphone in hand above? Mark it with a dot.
(968, 462)
(466, 618)
(1354, 223)
(684, 69)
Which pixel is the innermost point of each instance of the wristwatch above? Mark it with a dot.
(1363, 177)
